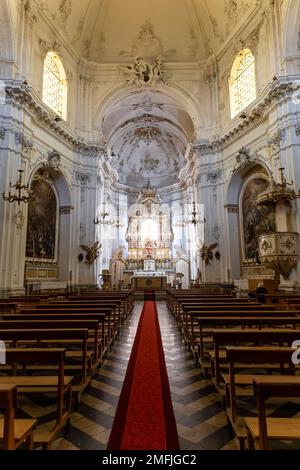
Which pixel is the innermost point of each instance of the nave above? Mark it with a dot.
(201, 422)
(225, 357)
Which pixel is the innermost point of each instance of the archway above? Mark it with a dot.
(48, 253)
(234, 207)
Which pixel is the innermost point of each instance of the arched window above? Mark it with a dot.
(55, 85)
(242, 82)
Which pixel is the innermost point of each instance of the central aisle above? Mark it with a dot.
(201, 422)
(145, 418)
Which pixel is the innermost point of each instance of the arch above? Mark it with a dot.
(242, 82)
(254, 220)
(237, 178)
(64, 210)
(55, 89)
(43, 219)
(232, 207)
(178, 93)
(59, 181)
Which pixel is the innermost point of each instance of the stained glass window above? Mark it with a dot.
(242, 82)
(54, 85)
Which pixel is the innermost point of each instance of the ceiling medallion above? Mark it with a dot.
(147, 134)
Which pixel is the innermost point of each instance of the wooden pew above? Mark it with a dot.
(239, 384)
(38, 317)
(127, 298)
(8, 307)
(261, 429)
(173, 296)
(191, 315)
(45, 324)
(82, 304)
(228, 337)
(13, 432)
(188, 308)
(119, 311)
(60, 384)
(199, 301)
(54, 336)
(110, 325)
(104, 341)
(208, 324)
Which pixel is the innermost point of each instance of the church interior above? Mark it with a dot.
(149, 224)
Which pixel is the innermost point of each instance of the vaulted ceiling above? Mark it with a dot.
(147, 130)
(147, 133)
(117, 30)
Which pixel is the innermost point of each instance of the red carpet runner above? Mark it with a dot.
(144, 417)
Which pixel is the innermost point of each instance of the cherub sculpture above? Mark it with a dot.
(206, 252)
(92, 252)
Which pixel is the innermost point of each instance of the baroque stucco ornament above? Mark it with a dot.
(92, 252)
(141, 73)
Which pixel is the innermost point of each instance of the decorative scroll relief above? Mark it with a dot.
(147, 44)
(54, 160)
(82, 179)
(25, 143)
(142, 73)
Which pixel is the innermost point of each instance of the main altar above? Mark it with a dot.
(149, 237)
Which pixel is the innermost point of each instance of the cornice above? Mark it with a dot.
(23, 96)
(273, 94)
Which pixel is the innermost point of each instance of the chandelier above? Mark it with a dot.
(103, 218)
(20, 187)
(278, 191)
(194, 220)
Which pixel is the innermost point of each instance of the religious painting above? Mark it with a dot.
(256, 219)
(41, 226)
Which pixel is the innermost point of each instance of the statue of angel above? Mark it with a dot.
(92, 252)
(157, 72)
(129, 73)
(136, 74)
(206, 252)
(119, 254)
